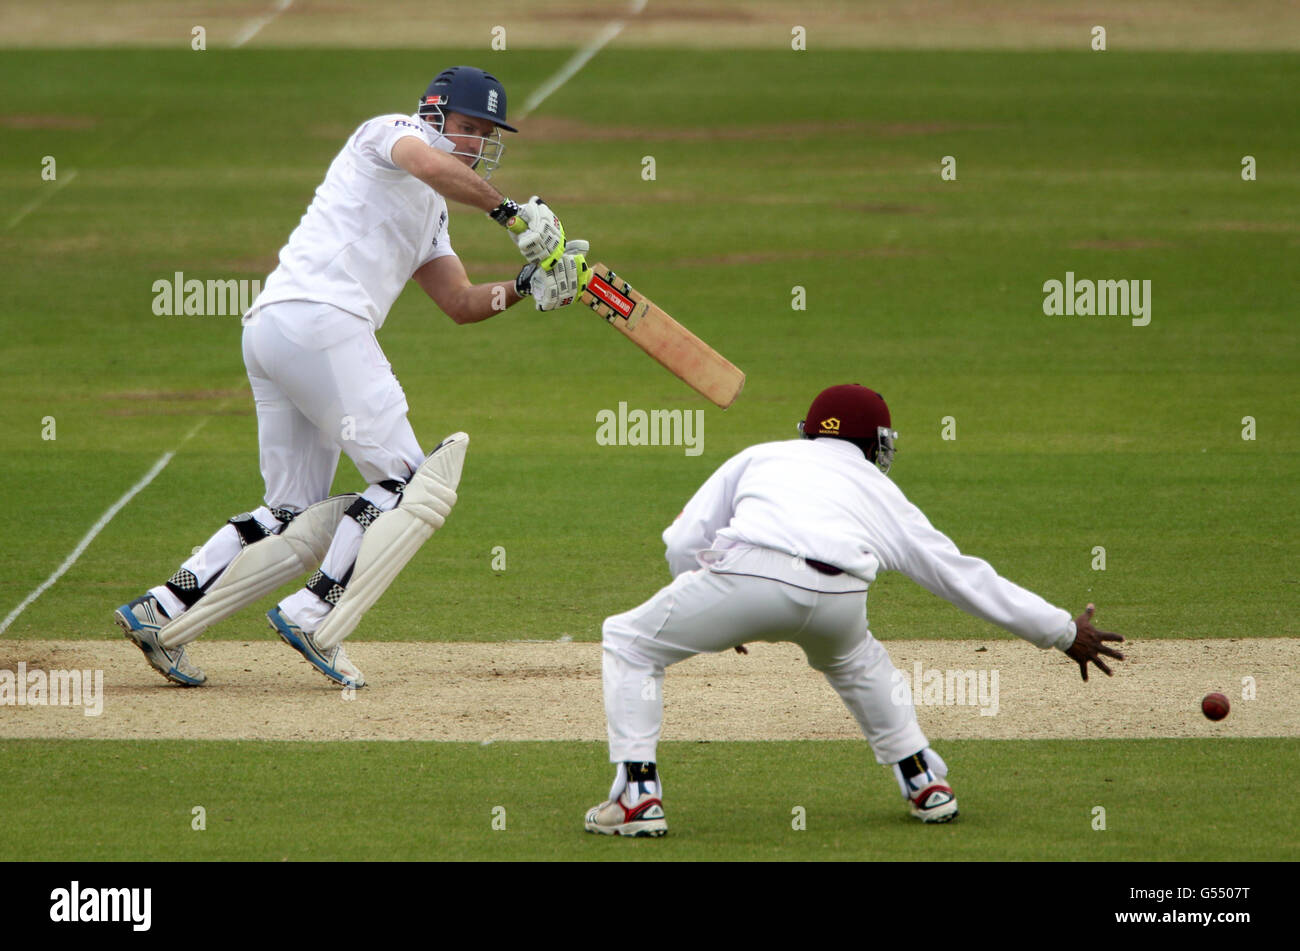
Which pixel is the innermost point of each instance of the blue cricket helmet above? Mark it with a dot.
(469, 91)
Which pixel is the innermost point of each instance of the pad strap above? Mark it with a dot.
(185, 585)
(284, 515)
(250, 529)
(326, 588)
(364, 512)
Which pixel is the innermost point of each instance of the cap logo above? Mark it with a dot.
(492, 101)
(831, 425)
(434, 100)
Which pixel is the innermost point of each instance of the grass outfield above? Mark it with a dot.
(774, 169)
(1071, 432)
(1020, 801)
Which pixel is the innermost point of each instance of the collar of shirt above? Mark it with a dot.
(832, 444)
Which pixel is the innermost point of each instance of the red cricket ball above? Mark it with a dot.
(1215, 706)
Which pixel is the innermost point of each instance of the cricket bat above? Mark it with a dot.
(678, 350)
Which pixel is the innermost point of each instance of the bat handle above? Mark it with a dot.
(517, 225)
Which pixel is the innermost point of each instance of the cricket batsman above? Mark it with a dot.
(322, 385)
(781, 544)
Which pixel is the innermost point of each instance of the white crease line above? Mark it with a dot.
(577, 61)
(255, 25)
(40, 199)
(99, 527)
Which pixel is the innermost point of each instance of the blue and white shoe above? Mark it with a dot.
(141, 620)
(334, 664)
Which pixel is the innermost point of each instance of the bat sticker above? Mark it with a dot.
(607, 295)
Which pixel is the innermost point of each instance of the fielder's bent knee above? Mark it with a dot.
(857, 658)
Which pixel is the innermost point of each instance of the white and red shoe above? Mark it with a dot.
(935, 803)
(642, 818)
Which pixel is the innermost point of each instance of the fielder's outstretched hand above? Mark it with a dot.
(1088, 644)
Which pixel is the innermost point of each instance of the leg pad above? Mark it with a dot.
(262, 567)
(393, 538)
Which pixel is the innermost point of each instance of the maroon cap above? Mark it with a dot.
(849, 411)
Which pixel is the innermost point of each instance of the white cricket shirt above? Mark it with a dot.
(821, 499)
(370, 226)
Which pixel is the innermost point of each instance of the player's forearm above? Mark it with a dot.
(447, 175)
(974, 586)
(481, 301)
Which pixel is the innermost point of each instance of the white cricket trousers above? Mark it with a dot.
(710, 610)
(322, 385)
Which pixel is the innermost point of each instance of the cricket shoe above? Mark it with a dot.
(142, 620)
(935, 803)
(334, 664)
(642, 818)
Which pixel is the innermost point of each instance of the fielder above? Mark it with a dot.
(780, 544)
(323, 386)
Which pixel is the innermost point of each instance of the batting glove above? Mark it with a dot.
(538, 234)
(562, 284)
